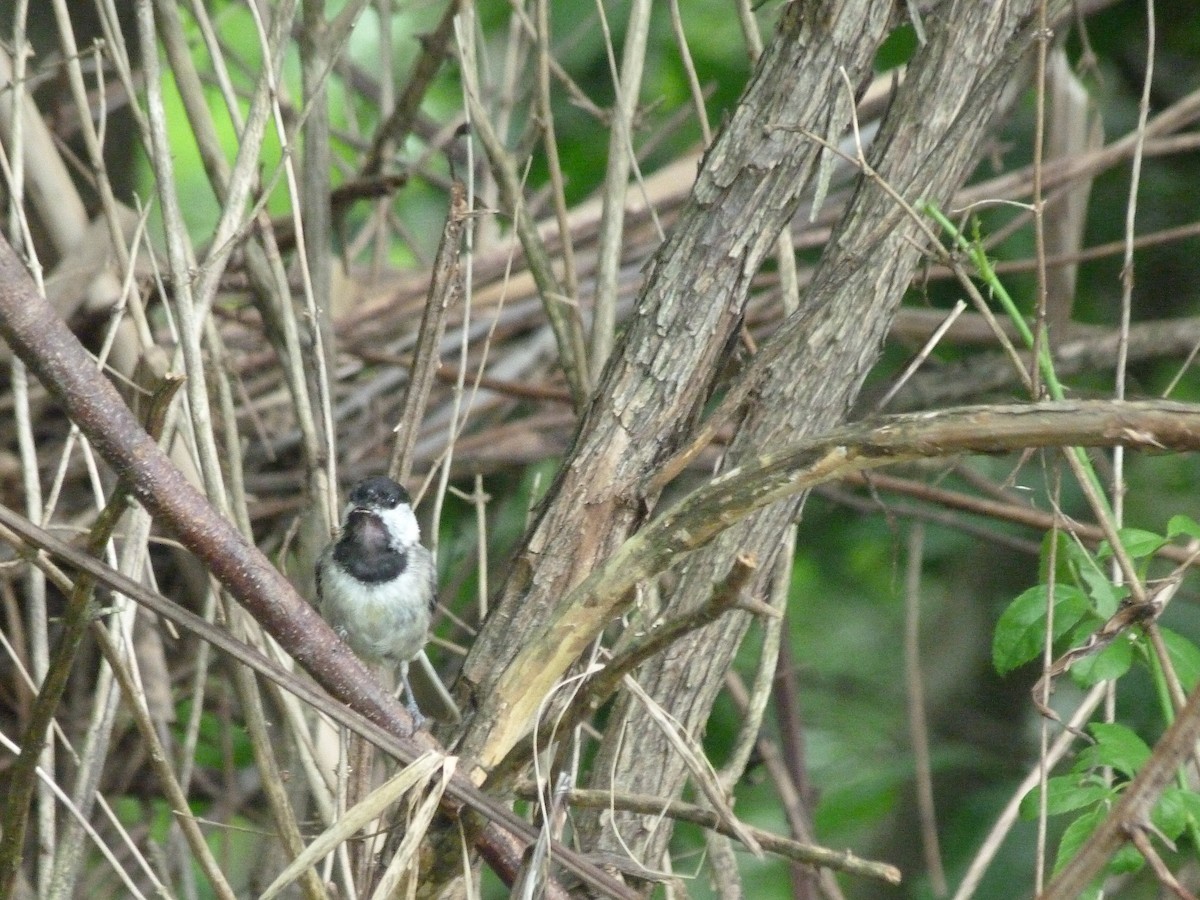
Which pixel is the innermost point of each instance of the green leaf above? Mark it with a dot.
(1076, 833)
(1021, 630)
(1066, 793)
(1126, 860)
(1066, 556)
(1138, 543)
(1088, 574)
(1184, 656)
(896, 49)
(1110, 663)
(1080, 830)
(1105, 595)
(1141, 543)
(1116, 746)
(1173, 810)
(1184, 525)
(1190, 801)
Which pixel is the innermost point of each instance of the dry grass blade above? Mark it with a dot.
(403, 862)
(703, 776)
(419, 772)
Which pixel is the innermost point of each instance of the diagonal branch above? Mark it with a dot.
(43, 342)
(799, 851)
(78, 613)
(1133, 809)
(445, 289)
(728, 499)
(395, 129)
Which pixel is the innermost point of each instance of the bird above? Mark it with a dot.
(376, 583)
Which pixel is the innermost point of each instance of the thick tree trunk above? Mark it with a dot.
(810, 371)
(747, 190)
(802, 381)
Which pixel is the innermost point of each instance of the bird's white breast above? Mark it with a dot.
(384, 621)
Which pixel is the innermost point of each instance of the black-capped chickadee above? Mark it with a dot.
(376, 584)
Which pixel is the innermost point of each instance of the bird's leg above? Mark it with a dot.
(411, 701)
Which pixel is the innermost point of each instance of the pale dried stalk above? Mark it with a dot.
(550, 144)
(12, 121)
(627, 86)
(918, 723)
(103, 848)
(796, 850)
(179, 253)
(558, 304)
(1008, 816)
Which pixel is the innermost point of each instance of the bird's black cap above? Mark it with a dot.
(378, 491)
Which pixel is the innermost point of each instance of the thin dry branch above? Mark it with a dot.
(444, 289)
(499, 844)
(381, 326)
(1000, 510)
(75, 621)
(393, 130)
(806, 382)
(560, 307)
(810, 854)
(522, 411)
(634, 649)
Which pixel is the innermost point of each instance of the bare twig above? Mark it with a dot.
(1018, 513)
(1132, 808)
(445, 288)
(918, 725)
(764, 676)
(495, 843)
(54, 683)
(842, 861)
(1008, 816)
(560, 311)
(393, 130)
(550, 143)
(634, 650)
(627, 85)
(1138, 834)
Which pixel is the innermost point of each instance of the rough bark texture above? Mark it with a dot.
(811, 371)
(748, 188)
